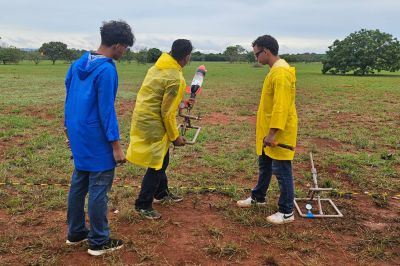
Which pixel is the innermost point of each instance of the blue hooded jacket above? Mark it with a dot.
(90, 118)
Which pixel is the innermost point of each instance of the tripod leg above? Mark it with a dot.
(319, 205)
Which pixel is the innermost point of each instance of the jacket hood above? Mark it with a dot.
(89, 62)
(282, 64)
(166, 61)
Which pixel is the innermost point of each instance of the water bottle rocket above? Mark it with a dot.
(194, 89)
(197, 82)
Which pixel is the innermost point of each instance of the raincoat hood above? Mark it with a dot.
(281, 64)
(89, 62)
(166, 61)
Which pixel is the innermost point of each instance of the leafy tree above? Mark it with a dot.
(128, 56)
(231, 53)
(71, 55)
(35, 56)
(54, 50)
(141, 56)
(250, 58)
(234, 53)
(153, 54)
(198, 56)
(363, 52)
(10, 55)
(215, 57)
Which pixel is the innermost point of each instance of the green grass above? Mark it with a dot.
(360, 113)
(350, 123)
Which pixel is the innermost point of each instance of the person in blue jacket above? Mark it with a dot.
(92, 128)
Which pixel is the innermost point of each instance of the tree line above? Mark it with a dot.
(361, 52)
(56, 51)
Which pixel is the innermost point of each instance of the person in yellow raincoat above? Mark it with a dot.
(154, 125)
(276, 123)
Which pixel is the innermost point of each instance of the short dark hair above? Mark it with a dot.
(267, 42)
(181, 48)
(116, 32)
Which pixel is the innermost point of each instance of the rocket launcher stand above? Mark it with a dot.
(314, 196)
(194, 89)
(187, 124)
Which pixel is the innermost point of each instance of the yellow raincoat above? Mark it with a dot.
(154, 117)
(277, 109)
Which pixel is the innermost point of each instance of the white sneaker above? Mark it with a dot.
(109, 246)
(281, 218)
(248, 203)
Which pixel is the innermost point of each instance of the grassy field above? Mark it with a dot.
(350, 123)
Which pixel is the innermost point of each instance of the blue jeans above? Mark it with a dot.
(97, 184)
(154, 185)
(283, 172)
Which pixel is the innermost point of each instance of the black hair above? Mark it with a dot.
(268, 42)
(116, 32)
(181, 48)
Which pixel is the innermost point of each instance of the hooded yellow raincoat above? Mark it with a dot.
(277, 109)
(154, 117)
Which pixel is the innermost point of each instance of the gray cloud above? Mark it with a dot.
(299, 25)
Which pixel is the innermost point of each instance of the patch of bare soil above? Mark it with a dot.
(214, 147)
(196, 232)
(300, 148)
(248, 119)
(45, 112)
(374, 213)
(372, 122)
(323, 125)
(16, 140)
(3, 146)
(222, 119)
(216, 119)
(124, 107)
(304, 145)
(325, 143)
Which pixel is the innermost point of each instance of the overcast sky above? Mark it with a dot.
(211, 25)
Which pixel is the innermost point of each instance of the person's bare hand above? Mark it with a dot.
(180, 141)
(190, 101)
(119, 155)
(187, 103)
(268, 141)
(68, 144)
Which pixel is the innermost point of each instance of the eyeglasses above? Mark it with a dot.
(123, 46)
(258, 53)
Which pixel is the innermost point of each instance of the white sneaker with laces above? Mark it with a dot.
(281, 218)
(248, 203)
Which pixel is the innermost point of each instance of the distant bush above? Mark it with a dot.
(36, 57)
(10, 55)
(305, 57)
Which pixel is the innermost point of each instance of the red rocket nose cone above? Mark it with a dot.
(202, 67)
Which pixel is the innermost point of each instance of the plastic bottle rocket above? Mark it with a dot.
(197, 81)
(309, 213)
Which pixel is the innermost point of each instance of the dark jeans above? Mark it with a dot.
(97, 184)
(283, 172)
(154, 185)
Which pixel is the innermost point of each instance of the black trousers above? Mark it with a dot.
(154, 185)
